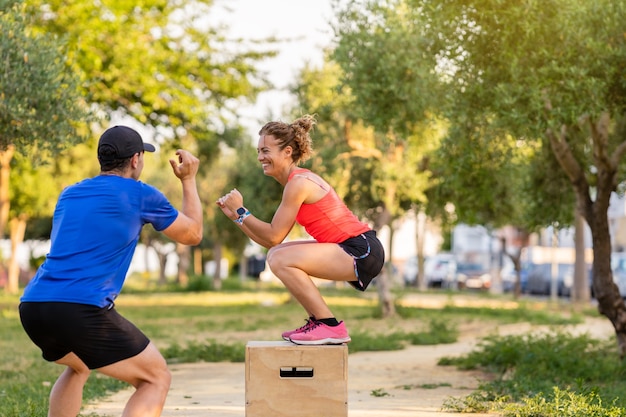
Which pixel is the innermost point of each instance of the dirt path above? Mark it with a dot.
(406, 383)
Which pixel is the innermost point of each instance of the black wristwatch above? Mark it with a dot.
(241, 211)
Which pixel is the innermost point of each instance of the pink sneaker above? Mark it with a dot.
(309, 322)
(321, 334)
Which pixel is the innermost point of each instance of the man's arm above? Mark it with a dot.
(187, 228)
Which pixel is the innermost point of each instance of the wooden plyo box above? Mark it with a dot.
(288, 380)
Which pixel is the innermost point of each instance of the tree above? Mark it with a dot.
(162, 64)
(549, 71)
(34, 188)
(238, 168)
(485, 185)
(158, 62)
(394, 92)
(29, 199)
(40, 105)
(354, 157)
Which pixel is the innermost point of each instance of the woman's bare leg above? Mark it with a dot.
(294, 263)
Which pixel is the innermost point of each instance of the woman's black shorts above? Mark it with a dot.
(369, 257)
(98, 336)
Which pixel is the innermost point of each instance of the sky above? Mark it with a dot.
(304, 21)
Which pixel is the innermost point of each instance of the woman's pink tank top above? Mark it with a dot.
(328, 220)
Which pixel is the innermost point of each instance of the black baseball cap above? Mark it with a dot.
(121, 142)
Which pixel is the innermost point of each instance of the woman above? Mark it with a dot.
(344, 248)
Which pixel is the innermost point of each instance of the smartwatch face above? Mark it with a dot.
(241, 211)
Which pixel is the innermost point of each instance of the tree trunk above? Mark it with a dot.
(162, 253)
(610, 302)
(18, 227)
(516, 258)
(162, 263)
(5, 169)
(182, 276)
(382, 281)
(146, 259)
(595, 211)
(243, 268)
(580, 288)
(384, 294)
(517, 264)
(420, 227)
(496, 270)
(197, 261)
(217, 276)
(554, 270)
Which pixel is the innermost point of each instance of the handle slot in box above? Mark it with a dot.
(296, 372)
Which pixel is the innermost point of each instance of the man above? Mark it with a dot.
(68, 307)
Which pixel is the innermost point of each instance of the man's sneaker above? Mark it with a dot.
(309, 322)
(321, 334)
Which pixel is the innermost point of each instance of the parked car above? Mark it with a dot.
(566, 283)
(439, 269)
(539, 279)
(472, 276)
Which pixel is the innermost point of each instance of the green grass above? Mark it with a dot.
(25, 378)
(552, 374)
(215, 326)
(563, 403)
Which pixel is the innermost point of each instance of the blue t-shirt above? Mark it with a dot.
(95, 229)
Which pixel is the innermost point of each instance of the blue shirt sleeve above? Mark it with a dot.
(157, 210)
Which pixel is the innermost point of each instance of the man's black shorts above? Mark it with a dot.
(98, 336)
